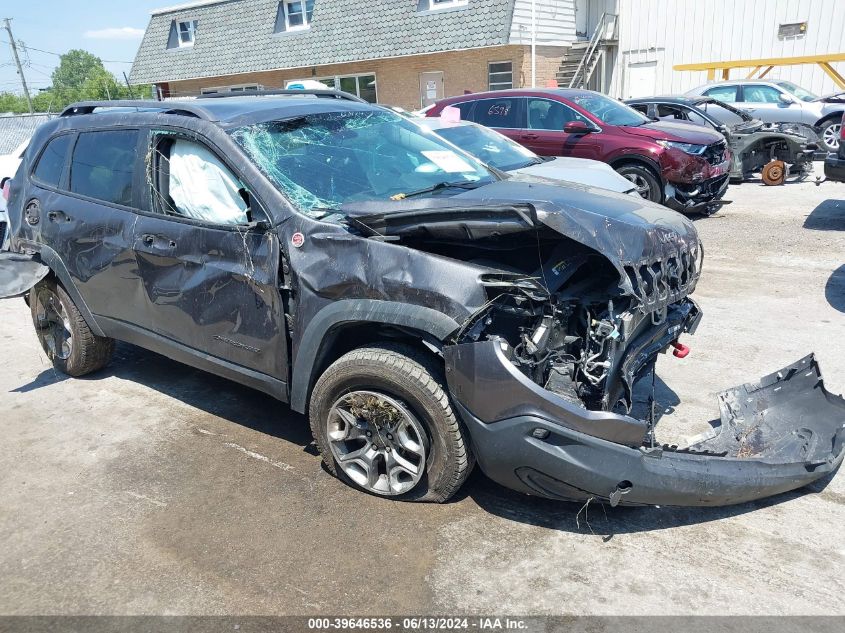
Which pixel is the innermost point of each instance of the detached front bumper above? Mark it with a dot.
(697, 197)
(776, 435)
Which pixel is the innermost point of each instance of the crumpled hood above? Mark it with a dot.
(629, 231)
(623, 228)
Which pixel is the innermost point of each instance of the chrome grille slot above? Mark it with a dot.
(661, 282)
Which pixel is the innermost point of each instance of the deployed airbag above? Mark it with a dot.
(202, 187)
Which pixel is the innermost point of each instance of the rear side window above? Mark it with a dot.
(52, 161)
(500, 113)
(723, 93)
(103, 165)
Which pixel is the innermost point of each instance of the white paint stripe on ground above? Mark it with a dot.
(259, 456)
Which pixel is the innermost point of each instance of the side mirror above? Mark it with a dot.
(785, 99)
(577, 127)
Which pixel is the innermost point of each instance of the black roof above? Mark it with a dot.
(232, 111)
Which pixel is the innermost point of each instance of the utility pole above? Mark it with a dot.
(533, 43)
(18, 62)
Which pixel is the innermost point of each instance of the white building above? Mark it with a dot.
(653, 36)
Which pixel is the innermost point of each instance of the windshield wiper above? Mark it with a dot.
(461, 184)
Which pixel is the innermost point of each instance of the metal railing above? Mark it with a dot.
(587, 63)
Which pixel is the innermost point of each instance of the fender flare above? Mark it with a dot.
(351, 311)
(51, 259)
(638, 158)
(833, 116)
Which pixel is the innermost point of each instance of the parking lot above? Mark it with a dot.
(151, 487)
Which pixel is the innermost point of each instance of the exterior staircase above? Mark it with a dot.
(583, 57)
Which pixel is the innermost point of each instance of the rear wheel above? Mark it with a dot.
(63, 333)
(647, 184)
(830, 131)
(383, 423)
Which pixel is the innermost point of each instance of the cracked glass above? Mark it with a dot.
(322, 161)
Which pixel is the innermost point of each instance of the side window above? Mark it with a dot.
(103, 165)
(760, 94)
(52, 161)
(642, 108)
(465, 108)
(500, 113)
(544, 114)
(190, 181)
(723, 93)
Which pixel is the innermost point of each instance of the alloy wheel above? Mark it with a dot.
(52, 325)
(641, 184)
(830, 136)
(377, 442)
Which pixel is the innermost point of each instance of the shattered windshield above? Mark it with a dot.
(489, 146)
(609, 110)
(321, 161)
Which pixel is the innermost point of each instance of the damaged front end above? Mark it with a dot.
(696, 183)
(579, 307)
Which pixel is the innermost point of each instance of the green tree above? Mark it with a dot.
(80, 76)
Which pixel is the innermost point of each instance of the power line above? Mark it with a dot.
(32, 48)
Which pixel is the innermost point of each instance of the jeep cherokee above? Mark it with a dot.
(425, 311)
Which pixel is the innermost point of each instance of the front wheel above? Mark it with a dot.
(383, 422)
(63, 333)
(830, 132)
(647, 184)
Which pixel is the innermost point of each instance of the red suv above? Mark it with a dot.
(677, 164)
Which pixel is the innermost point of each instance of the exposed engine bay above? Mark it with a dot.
(577, 327)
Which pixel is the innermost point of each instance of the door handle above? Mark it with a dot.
(57, 216)
(530, 137)
(149, 239)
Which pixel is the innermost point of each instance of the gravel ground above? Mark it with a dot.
(152, 488)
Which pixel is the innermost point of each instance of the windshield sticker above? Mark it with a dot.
(448, 161)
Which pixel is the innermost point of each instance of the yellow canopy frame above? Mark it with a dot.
(761, 67)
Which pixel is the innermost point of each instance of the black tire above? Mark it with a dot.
(643, 177)
(829, 128)
(411, 377)
(86, 352)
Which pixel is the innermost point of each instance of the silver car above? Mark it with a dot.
(779, 101)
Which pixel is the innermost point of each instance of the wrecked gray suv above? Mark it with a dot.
(425, 311)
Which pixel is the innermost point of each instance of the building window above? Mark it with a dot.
(434, 5)
(792, 31)
(294, 15)
(363, 86)
(187, 33)
(229, 89)
(500, 75)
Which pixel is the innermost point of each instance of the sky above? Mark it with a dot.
(110, 29)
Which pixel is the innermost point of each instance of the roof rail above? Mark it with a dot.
(166, 107)
(328, 93)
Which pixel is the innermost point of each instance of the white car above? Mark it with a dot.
(500, 152)
(9, 164)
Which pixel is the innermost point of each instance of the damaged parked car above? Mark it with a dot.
(424, 311)
(755, 148)
(686, 169)
(777, 101)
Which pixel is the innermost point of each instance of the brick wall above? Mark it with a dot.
(398, 79)
(548, 63)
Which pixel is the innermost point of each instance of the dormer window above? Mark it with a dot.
(187, 33)
(434, 5)
(294, 15)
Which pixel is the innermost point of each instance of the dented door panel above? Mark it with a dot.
(212, 289)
